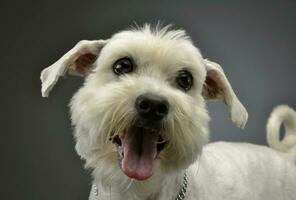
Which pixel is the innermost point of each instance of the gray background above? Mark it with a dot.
(254, 41)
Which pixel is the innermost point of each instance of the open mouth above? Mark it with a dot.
(138, 148)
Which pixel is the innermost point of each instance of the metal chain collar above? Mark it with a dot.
(181, 195)
(183, 189)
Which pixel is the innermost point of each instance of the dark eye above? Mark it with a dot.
(184, 80)
(123, 66)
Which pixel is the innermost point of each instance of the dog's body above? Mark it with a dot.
(229, 171)
(141, 122)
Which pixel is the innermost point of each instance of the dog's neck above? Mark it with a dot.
(172, 187)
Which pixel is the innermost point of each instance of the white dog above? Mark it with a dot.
(141, 123)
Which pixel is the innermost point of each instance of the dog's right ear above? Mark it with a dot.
(217, 86)
(78, 61)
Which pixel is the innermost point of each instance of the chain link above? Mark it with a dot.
(183, 189)
(96, 192)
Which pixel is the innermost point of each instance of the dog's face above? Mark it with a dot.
(141, 110)
(143, 104)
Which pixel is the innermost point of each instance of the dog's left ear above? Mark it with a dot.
(217, 86)
(78, 61)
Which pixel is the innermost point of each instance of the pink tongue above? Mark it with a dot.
(140, 150)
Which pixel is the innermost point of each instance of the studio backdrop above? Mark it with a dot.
(254, 42)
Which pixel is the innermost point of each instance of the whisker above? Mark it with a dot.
(198, 160)
(161, 141)
(129, 185)
(105, 154)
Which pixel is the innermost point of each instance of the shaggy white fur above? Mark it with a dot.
(162, 62)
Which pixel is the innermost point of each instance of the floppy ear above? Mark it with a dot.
(78, 61)
(217, 86)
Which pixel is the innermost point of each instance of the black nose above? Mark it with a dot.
(152, 107)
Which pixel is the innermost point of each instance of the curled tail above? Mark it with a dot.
(286, 115)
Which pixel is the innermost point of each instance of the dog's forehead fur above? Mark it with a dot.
(160, 52)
